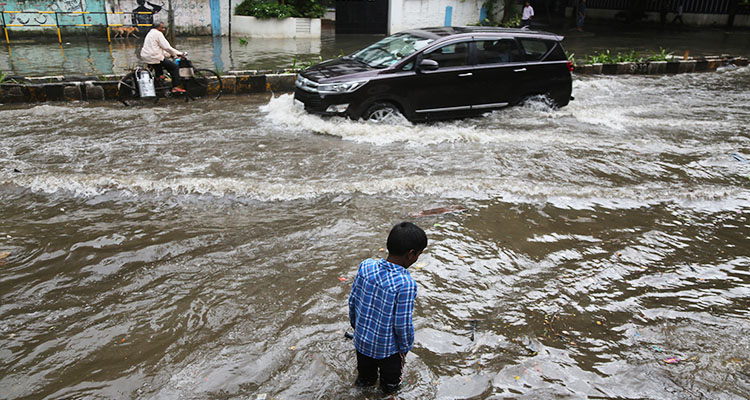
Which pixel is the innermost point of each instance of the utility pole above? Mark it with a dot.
(170, 22)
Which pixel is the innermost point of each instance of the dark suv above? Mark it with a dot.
(436, 73)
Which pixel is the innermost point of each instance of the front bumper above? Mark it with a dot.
(315, 103)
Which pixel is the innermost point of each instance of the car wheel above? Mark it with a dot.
(557, 101)
(381, 112)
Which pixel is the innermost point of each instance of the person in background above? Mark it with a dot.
(155, 51)
(581, 15)
(678, 13)
(380, 309)
(527, 15)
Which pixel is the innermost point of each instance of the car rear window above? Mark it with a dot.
(535, 49)
(498, 51)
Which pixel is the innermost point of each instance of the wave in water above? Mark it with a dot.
(569, 196)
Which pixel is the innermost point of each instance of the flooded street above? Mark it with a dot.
(93, 56)
(195, 250)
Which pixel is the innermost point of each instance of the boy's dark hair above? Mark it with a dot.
(406, 236)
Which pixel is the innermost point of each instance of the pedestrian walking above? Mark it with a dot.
(678, 13)
(527, 15)
(380, 309)
(581, 15)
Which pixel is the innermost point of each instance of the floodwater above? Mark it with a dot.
(196, 250)
(93, 56)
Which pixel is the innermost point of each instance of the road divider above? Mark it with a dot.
(88, 88)
(675, 66)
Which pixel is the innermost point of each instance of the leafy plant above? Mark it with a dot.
(514, 21)
(312, 62)
(571, 57)
(219, 70)
(243, 40)
(3, 75)
(662, 55)
(510, 18)
(606, 57)
(274, 9)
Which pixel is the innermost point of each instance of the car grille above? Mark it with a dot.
(306, 84)
(311, 100)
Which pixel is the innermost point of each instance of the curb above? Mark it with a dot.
(703, 64)
(77, 88)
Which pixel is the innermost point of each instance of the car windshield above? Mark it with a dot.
(391, 50)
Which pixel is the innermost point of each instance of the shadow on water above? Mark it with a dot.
(94, 56)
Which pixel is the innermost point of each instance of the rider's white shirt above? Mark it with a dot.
(156, 48)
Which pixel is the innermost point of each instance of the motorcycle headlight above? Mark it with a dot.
(344, 87)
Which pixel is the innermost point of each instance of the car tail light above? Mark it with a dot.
(570, 66)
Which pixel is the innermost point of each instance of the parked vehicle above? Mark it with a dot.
(437, 73)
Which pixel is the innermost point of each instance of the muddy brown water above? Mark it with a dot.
(193, 251)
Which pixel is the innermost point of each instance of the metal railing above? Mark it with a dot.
(57, 25)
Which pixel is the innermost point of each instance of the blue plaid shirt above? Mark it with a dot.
(380, 309)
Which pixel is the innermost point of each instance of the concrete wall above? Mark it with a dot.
(408, 14)
(64, 6)
(190, 16)
(304, 28)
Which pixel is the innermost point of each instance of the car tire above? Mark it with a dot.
(557, 101)
(381, 112)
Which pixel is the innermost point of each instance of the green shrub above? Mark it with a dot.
(263, 9)
(513, 22)
(606, 57)
(308, 8)
(662, 55)
(273, 9)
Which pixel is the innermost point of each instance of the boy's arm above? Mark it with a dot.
(403, 326)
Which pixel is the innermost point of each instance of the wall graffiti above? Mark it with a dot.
(32, 16)
(190, 16)
(145, 18)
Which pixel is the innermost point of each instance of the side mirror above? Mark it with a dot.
(428, 65)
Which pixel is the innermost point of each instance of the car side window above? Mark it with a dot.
(535, 49)
(452, 55)
(408, 67)
(497, 51)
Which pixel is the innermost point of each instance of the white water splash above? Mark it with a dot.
(561, 195)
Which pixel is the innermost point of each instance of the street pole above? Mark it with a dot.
(170, 21)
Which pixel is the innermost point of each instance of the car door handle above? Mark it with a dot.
(520, 70)
(466, 74)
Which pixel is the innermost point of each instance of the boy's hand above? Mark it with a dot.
(403, 359)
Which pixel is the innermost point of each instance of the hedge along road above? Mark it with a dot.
(195, 250)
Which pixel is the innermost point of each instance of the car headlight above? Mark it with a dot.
(344, 87)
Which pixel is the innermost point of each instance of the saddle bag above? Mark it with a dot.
(186, 68)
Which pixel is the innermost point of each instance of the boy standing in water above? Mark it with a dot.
(381, 306)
